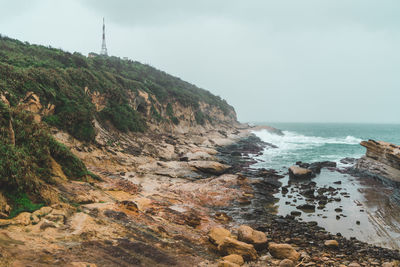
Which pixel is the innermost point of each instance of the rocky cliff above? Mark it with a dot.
(381, 160)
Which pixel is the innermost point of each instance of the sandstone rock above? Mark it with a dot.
(23, 218)
(251, 236)
(81, 264)
(47, 224)
(331, 243)
(129, 205)
(382, 160)
(211, 167)
(43, 211)
(286, 263)
(388, 264)
(233, 246)
(283, 251)
(218, 234)
(227, 264)
(354, 264)
(234, 258)
(296, 172)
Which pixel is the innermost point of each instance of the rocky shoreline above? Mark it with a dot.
(306, 237)
(160, 197)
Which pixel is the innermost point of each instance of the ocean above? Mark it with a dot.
(365, 208)
(310, 142)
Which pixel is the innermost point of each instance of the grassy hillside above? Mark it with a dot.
(59, 78)
(31, 160)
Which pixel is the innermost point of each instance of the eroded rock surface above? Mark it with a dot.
(382, 160)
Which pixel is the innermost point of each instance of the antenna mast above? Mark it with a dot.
(103, 51)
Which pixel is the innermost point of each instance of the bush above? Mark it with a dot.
(123, 117)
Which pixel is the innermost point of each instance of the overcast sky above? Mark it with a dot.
(281, 60)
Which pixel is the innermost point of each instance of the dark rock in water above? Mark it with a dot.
(358, 222)
(338, 210)
(236, 154)
(348, 160)
(309, 193)
(295, 213)
(306, 207)
(270, 173)
(300, 173)
(284, 190)
(338, 182)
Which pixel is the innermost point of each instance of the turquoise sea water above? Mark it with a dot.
(369, 202)
(309, 142)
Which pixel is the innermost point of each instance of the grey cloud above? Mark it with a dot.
(281, 60)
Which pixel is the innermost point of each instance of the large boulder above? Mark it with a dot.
(382, 160)
(283, 251)
(296, 172)
(210, 167)
(233, 246)
(251, 236)
(217, 234)
(234, 258)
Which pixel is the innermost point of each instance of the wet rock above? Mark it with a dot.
(233, 246)
(217, 234)
(296, 172)
(283, 251)
(222, 217)
(295, 213)
(338, 182)
(286, 263)
(306, 207)
(284, 190)
(338, 209)
(309, 193)
(331, 243)
(234, 258)
(249, 235)
(348, 160)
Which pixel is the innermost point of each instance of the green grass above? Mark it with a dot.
(20, 202)
(59, 78)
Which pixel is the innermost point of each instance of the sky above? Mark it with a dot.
(273, 60)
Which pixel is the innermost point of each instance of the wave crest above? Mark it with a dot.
(292, 140)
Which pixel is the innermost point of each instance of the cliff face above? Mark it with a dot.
(382, 160)
(103, 102)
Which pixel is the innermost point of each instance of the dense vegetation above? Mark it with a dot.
(26, 153)
(59, 78)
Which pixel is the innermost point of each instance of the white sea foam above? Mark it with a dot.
(292, 140)
(293, 146)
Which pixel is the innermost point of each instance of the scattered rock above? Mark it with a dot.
(331, 243)
(249, 235)
(283, 251)
(233, 246)
(306, 207)
(296, 172)
(286, 263)
(234, 258)
(227, 264)
(211, 167)
(217, 234)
